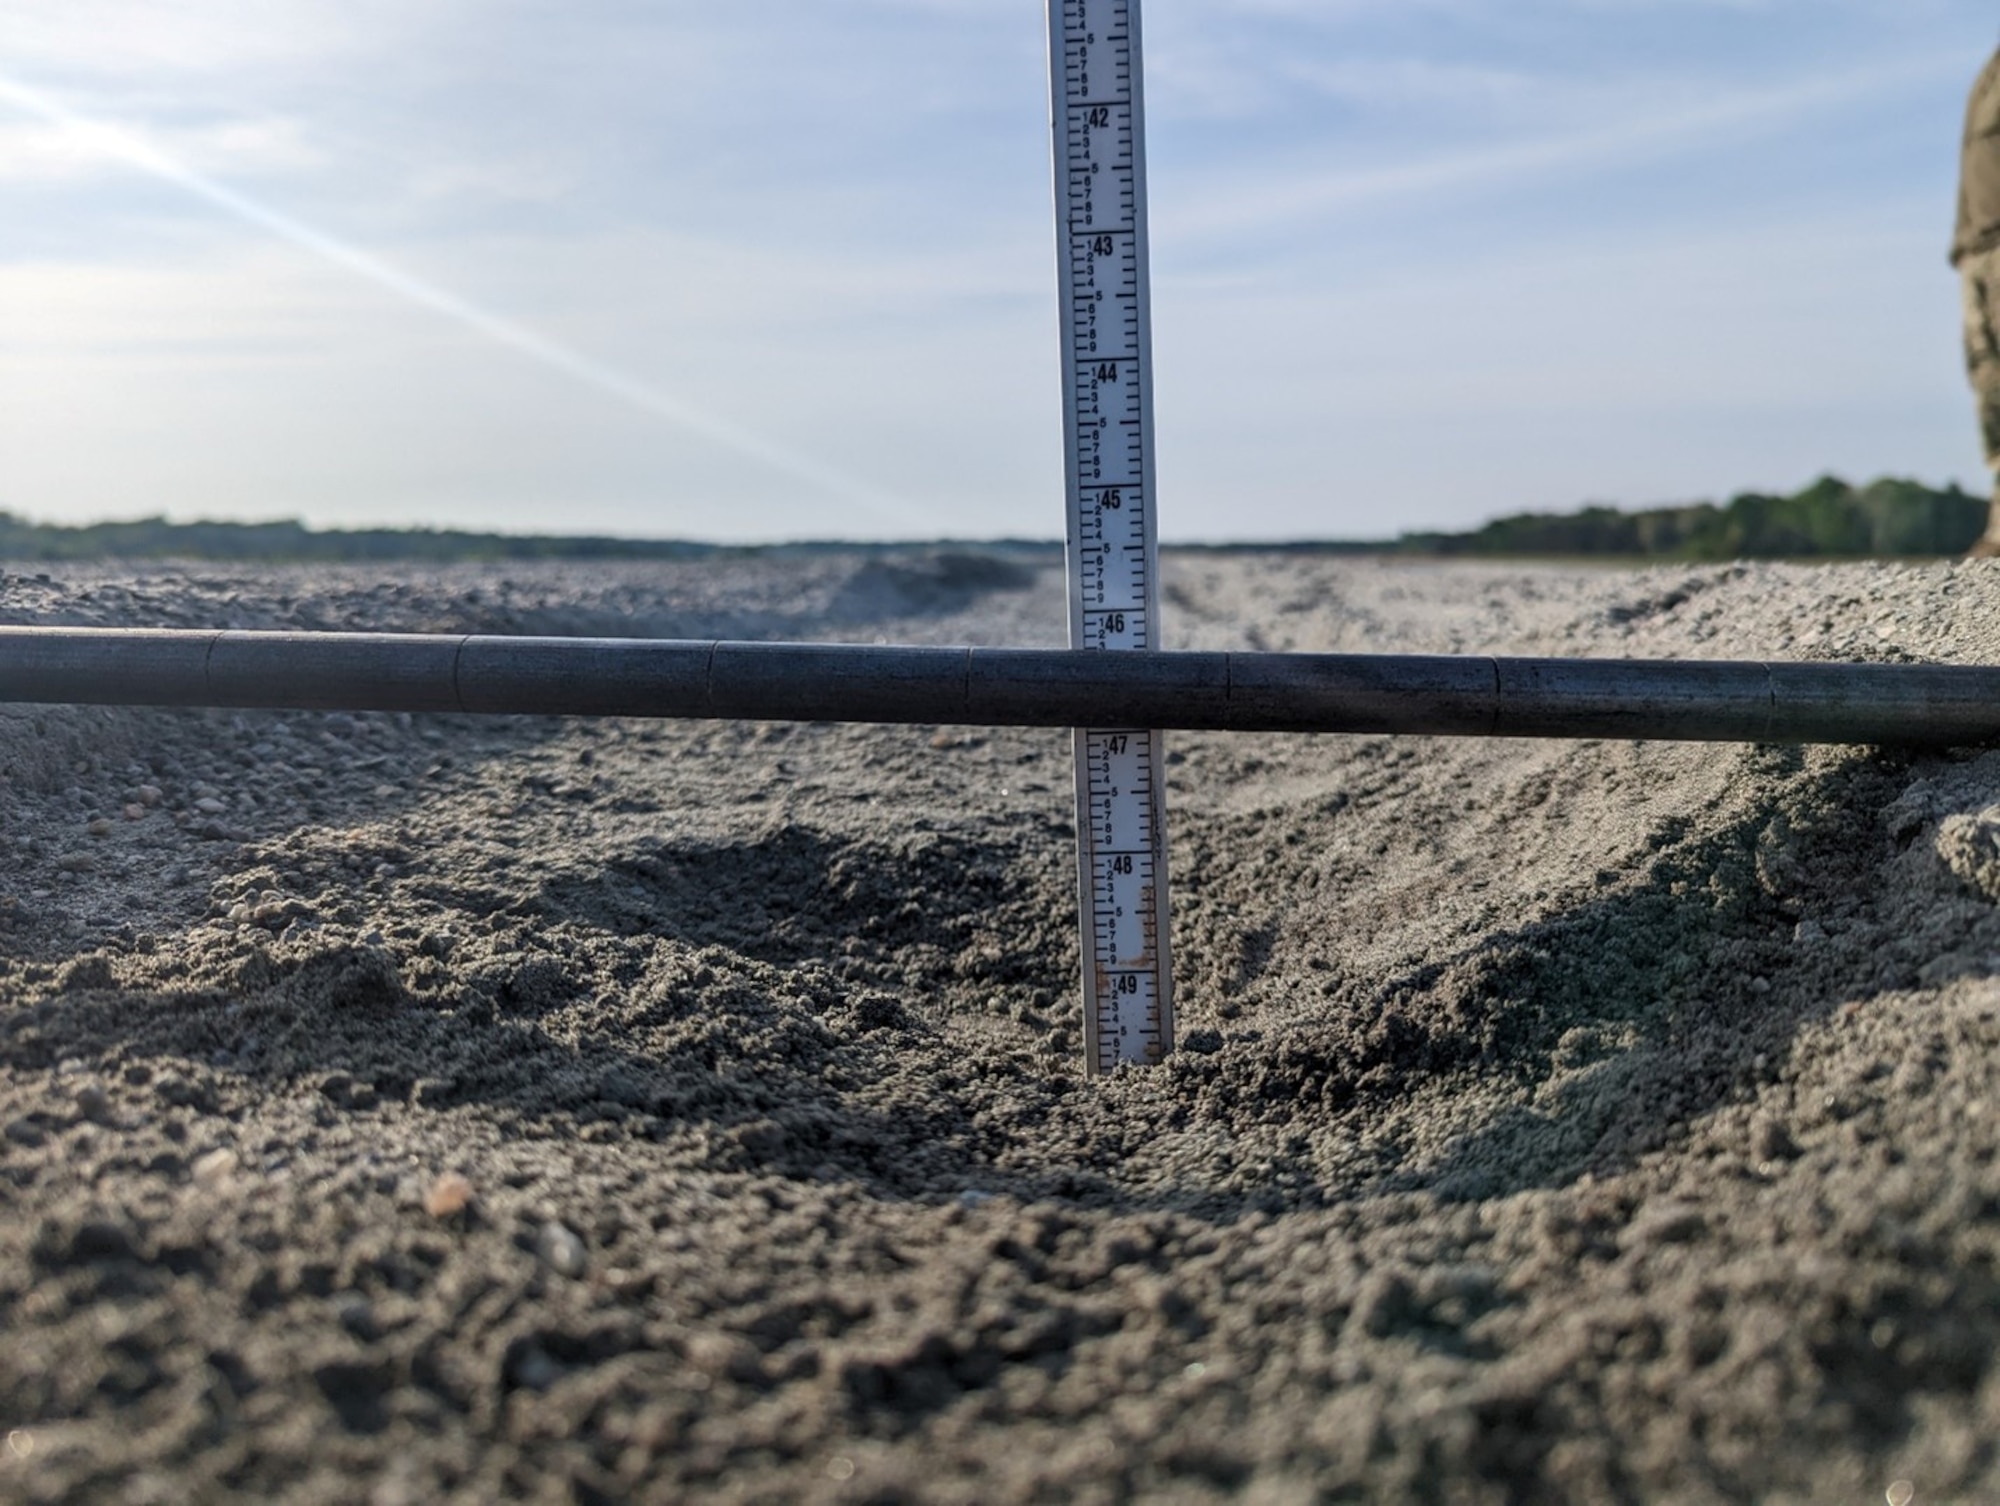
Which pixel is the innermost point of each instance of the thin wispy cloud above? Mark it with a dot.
(144, 42)
(1699, 127)
(48, 149)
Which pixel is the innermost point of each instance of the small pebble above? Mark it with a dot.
(150, 794)
(101, 827)
(725, 1356)
(208, 805)
(135, 812)
(1771, 1141)
(354, 1314)
(449, 1196)
(560, 1249)
(532, 1367)
(1667, 1224)
(214, 1166)
(76, 862)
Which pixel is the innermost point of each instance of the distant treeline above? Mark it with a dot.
(291, 542)
(156, 538)
(1829, 519)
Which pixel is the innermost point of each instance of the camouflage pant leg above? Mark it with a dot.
(1980, 282)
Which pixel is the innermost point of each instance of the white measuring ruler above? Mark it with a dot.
(1101, 254)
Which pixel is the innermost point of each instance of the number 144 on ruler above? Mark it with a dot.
(1113, 536)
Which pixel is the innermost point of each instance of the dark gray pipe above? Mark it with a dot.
(1691, 700)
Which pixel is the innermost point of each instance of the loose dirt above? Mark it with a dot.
(431, 1109)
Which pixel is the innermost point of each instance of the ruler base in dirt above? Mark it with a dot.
(1122, 882)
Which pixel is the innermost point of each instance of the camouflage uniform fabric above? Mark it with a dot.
(1979, 276)
(1975, 251)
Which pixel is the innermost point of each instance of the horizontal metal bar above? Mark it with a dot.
(1691, 699)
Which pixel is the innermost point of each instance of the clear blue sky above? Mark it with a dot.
(783, 270)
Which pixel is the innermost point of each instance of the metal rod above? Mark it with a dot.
(1688, 699)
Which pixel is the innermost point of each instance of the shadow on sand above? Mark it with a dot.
(790, 1004)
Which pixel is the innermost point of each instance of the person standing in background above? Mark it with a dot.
(1975, 251)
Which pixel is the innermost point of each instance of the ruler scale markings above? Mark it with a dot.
(1098, 126)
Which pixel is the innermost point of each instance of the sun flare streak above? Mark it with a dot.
(119, 143)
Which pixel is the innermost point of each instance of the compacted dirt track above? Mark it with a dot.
(420, 1109)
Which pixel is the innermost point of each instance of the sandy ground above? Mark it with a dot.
(407, 1110)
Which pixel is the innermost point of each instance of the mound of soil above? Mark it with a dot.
(441, 1109)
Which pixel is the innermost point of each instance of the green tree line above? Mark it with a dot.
(1829, 519)
(291, 541)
